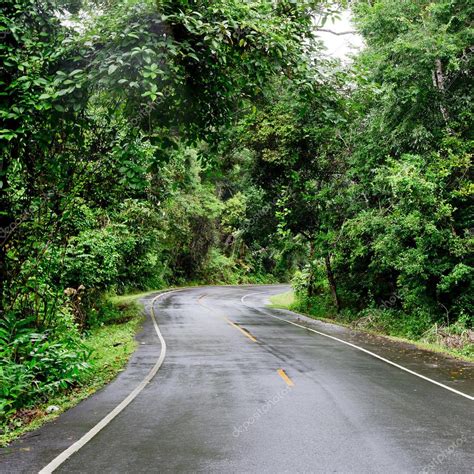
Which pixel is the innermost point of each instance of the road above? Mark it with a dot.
(242, 391)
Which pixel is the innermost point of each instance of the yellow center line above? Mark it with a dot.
(285, 377)
(245, 333)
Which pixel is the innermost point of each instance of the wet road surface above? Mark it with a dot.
(240, 391)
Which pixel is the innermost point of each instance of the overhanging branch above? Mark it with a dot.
(338, 33)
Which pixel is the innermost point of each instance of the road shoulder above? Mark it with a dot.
(35, 449)
(453, 372)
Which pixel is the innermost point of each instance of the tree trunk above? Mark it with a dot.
(439, 81)
(332, 282)
(311, 290)
(6, 223)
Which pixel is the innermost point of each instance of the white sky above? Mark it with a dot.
(341, 46)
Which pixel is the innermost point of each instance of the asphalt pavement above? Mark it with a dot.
(242, 390)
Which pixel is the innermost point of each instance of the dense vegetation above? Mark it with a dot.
(147, 144)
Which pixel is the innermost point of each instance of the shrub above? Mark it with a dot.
(36, 363)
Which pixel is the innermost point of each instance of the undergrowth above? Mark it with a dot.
(108, 346)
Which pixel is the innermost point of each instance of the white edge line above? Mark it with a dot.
(61, 458)
(245, 296)
(465, 395)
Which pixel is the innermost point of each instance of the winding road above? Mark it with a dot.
(239, 389)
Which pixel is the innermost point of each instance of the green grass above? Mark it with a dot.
(129, 298)
(111, 346)
(283, 300)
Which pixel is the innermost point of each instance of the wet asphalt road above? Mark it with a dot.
(240, 391)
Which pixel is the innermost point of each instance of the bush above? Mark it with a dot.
(34, 363)
(394, 322)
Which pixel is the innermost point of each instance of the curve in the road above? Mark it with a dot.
(465, 395)
(224, 315)
(65, 455)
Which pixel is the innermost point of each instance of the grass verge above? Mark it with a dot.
(130, 298)
(111, 346)
(283, 300)
(289, 301)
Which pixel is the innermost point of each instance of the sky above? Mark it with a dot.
(341, 46)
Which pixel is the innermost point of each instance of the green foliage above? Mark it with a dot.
(407, 225)
(35, 365)
(111, 178)
(375, 180)
(147, 144)
(108, 347)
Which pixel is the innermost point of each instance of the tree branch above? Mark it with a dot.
(338, 33)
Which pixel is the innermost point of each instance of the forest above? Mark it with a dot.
(154, 144)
